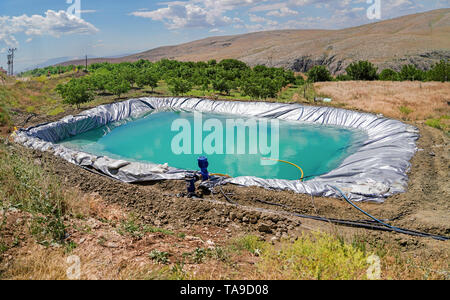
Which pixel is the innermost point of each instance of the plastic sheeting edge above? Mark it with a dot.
(376, 171)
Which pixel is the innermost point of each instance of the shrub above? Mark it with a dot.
(343, 77)
(389, 75)
(440, 72)
(318, 74)
(362, 70)
(411, 73)
(299, 80)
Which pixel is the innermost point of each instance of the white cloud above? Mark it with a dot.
(52, 23)
(282, 12)
(196, 13)
(213, 14)
(177, 16)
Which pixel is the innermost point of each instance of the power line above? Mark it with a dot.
(11, 61)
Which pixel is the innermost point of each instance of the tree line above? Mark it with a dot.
(224, 77)
(364, 70)
(181, 77)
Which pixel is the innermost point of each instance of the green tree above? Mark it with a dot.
(75, 92)
(440, 72)
(389, 75)
(362, 70)
(222, 86)
(257, 86)
(178, 86)
(100, 79)
(411, 73)
(118, 86)
(318, 74)
(147, 77)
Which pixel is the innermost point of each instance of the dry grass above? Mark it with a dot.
(401, 100)
(37, 263)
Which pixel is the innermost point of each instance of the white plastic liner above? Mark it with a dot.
(376, 171)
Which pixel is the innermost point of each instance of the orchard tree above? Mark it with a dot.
(362, 70)
(318, 74)
(75, 92)
(147, 78)
(178, 86)
(222, 86)
(118, 86)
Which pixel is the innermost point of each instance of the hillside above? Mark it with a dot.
(421, 39)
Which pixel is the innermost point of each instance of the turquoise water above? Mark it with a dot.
(316, 149)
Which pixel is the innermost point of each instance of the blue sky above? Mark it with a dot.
(46, 29)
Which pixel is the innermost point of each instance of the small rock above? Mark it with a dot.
(264, 228)
(111, 245)
(274, 239)
(192, 238)
(210, 244)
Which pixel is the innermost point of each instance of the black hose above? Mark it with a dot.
(366, 224)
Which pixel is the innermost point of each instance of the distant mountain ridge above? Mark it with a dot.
(421, 39)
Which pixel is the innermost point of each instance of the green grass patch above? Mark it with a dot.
(151, 229)
(442, 123)
(56, 111)
(133, 227)
(405, 110)
(160, 257)
(27, 187)
(250, 243)
(317, 256)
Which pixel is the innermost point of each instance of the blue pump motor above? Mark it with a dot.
(203, 165)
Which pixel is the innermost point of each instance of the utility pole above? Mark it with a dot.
(11, 61)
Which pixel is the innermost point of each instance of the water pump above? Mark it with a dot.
(192, 178)
(203, 165)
